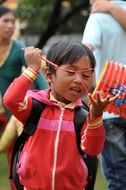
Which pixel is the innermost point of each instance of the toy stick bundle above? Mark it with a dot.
(113, 82)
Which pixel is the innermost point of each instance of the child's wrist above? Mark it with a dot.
(36, 69)
(94, 122)
(31, 73)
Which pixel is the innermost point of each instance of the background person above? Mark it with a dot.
(11, 62)
(12, 130)
(105, 35)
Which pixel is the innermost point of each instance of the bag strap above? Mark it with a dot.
(29, 129)
(91, 161)
(80, 116)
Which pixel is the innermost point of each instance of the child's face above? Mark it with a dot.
(68, 84)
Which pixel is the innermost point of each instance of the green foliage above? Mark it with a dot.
(74, 25)
(37, 14)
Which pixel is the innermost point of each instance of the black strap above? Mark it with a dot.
(79, 119)
(91, 161)
(29, 129)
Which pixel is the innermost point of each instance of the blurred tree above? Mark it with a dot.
(46, 18)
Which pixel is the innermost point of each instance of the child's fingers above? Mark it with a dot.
(113, 98)
(32, 49)
(92, 100)
(37, 50)
(98, 97)
(102, 94)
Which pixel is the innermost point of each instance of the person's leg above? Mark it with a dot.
(113, 157)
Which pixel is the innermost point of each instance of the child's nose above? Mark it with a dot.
(79, 80)
(78, 77)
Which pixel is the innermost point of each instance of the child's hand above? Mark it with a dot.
(99, 103)
(33, 57)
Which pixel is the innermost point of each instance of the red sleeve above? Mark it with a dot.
(93, 138)
(93, 141)
(15, 98)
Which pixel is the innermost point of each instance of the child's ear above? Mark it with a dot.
(48, 75)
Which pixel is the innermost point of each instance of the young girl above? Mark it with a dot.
(50, 159)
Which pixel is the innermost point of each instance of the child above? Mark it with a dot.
(50, 159)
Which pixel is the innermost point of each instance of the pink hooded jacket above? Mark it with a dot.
(50, 159)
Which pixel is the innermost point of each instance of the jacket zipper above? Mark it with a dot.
(56, 148)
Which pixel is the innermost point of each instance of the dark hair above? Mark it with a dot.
(5, 10)
(67, 52)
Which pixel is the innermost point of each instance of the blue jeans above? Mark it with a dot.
(113, 157)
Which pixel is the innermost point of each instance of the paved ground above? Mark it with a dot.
(32, 40)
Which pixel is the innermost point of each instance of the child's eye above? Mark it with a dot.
(85, 76)
(70, 72)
